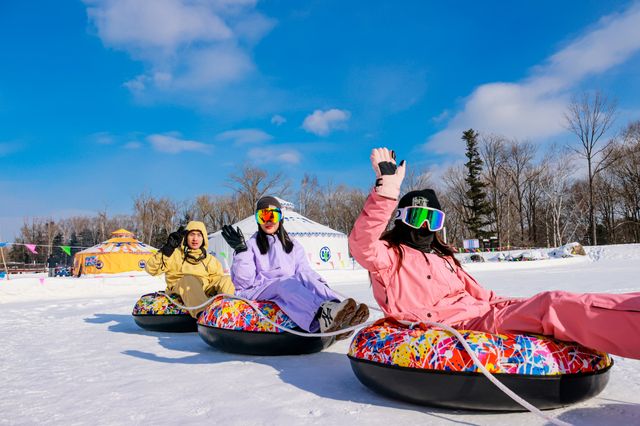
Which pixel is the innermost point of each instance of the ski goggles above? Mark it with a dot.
(268, 215)
(416, 217)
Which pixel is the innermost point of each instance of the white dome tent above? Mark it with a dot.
(325, 248)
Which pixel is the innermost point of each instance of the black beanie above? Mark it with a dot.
(423, 198)
(265, 202)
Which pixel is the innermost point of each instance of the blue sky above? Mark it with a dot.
(102, 100)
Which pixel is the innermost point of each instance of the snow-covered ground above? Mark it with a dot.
(71, 353)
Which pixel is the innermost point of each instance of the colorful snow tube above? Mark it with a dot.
(155, 312)
(232, 325)
(431, 367)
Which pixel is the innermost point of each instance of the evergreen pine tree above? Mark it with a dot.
(478, 207)
(74, 242)
(56, 251)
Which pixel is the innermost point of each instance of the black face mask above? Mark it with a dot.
(419, 239)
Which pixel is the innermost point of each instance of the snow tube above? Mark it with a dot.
(155, 312)
(429, 366)
(231, 325)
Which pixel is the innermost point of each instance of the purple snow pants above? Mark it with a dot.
(299, 299)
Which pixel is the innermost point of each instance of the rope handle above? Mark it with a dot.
(488, 374)
(267, 319)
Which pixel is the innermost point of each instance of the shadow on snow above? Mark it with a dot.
(325, 374)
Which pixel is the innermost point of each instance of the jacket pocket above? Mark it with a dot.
(617, 303)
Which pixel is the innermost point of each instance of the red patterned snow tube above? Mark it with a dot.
(232, 325)
(234, 314)
(430, 366)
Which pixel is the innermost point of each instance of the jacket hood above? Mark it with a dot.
(195, 225)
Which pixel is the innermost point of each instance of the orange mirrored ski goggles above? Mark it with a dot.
(268, 215)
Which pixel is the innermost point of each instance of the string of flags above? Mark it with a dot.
(33, 247)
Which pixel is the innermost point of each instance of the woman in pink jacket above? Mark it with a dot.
(415, 277)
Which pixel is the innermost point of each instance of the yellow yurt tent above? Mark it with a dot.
(121, 253)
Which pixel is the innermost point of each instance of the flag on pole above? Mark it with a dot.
(3, 244)
(66, 249)
(32, 248)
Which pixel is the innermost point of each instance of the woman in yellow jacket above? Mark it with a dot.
(189, 270)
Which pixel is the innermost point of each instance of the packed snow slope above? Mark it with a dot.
(72, 354)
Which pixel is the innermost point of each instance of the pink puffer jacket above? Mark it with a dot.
(426, 287)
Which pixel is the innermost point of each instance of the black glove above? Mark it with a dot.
(234, 238)
(387, 167)
(173, 241)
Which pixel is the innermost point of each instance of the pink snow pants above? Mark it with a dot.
(601, 321)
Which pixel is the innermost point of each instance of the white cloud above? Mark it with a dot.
(322, 123)
(278, 120)
(244, 136)
(133, 145)
(163, 24)
(442, 116)
(173, 144)
(185, 45)
(534, 108)
(275, 155)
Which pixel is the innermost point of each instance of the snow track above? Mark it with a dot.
(72, 354)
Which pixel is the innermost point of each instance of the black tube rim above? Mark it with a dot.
(474, 373)
(161, 315)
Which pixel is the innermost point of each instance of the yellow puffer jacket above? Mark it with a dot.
(209, 270)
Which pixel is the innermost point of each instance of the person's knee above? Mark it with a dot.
(191, 278)
(227, 285)
(553, 297)
(221, 285)
(292, 285)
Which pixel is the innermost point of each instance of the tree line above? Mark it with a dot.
(518, 192)
(524, 196)
(154, 218)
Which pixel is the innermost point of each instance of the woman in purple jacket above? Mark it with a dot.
(272, 266)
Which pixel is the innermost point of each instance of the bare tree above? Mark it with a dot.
(589, 117)
(624, 175)
(102, 224)
(203, 209)
(51, 229)
(520, 171)
(340, 207)
(253, 183)
(143, 212)
(493, 153)
(155, 218)
(308, 194)
(533, 197)
(607, 201)
(416, 180)
(453, 201)
(216, 211)
(555, 184)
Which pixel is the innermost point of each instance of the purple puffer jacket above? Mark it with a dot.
(252, 272)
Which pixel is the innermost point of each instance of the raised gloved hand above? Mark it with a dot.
(173, 241)
(389, 176)
(234, 238)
